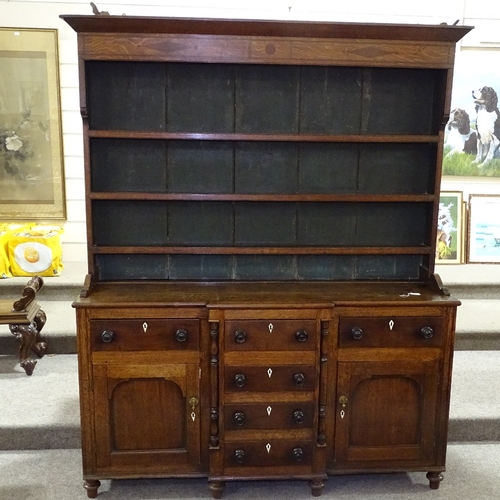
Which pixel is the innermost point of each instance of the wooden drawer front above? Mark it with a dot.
(397, 331)
(145, 334)
(269, 416)
(270, 378)
(272, 453)
(270, 335)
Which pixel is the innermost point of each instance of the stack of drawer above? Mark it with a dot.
(269, 397)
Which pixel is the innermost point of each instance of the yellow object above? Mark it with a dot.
(4, 259)
(36, 250)
(6, 231)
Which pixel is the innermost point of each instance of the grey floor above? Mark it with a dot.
(473, 473)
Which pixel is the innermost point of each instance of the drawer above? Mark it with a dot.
(396, 331)
(145, 334)
(270, 335)
(269, 378)
(273, 453)
(268, 416)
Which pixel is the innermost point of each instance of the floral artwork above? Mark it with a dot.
(31, 168)
(16, 145)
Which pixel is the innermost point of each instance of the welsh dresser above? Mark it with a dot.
(261, 201)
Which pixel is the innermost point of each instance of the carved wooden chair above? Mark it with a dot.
(26, 320)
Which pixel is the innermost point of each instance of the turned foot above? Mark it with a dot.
(434, 479)
(217, 487)
(28, 365)
(91, 485)
(317, 487)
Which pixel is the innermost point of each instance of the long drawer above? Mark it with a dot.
(396, 331)
(267, 416)
(272, 453)
(268, 378)
(270, 335)
(145, 334)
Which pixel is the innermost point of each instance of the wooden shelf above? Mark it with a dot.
(344, 138)
(340, 198)
(260, 250)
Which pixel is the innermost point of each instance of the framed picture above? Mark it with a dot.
(484, 228)
(450, 233)
(31, 158)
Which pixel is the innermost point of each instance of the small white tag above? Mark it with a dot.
(269, 410)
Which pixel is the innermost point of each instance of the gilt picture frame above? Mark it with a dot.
(450, 230)
(484, 229)
(31, 155)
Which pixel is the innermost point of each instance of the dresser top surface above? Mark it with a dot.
(262, 294)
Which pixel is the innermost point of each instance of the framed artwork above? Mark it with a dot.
(31, 158)
(466, 152)
(450, 233)
(484, 228)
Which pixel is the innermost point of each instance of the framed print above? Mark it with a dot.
(450, 234)
(466, 152)
(484, 228)
(31, 159)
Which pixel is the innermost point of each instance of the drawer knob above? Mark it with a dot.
(357, 333)
(107, 336)
(239, 418)
(239, 456)
(301, 335)
(181, 335)
(298, 416)
(299, 379)
(427, 332)
(240, 336)
(298, 454)
(240, 380)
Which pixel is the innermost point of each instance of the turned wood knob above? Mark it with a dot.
(301, 335)
(240, 379)
(298, 416)
(239, 456)
(240, 336)
(239, 418)
(298, 454)
(299, 379)
(357, 333)
(107, 336)
(426, 332)
(181, 335)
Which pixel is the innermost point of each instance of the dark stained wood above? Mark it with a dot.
(240, 27)
(26, 320)
(261, 201)
(344, 198)
(347, 250)
(389, 413)
(138, 134)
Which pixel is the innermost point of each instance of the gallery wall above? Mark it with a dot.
(477, 62)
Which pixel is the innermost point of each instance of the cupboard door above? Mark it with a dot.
(385, 413)
(147, 417)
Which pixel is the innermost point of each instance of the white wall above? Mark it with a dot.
(45, 14)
